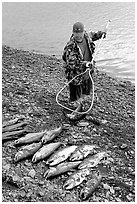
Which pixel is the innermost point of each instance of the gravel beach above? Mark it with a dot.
(30, 82)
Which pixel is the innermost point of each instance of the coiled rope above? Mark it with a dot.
(87, 70)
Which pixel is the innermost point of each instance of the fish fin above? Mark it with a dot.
(43, 140)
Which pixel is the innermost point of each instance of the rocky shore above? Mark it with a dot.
(30, 83)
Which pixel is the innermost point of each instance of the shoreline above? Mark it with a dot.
(30, 83)
(58, 57)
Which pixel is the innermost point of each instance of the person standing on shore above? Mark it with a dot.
(77, 57)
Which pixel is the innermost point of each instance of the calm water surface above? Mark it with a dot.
(46, 27)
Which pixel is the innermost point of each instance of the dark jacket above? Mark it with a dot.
(74, 63)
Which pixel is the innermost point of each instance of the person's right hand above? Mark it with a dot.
(90, 66)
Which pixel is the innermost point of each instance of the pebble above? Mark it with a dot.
(104, 121)
(28, 163)
(112, 190)
(41, 183)
(16, 178)
(22, 193)
(123, 146)
(6, 167)
(32, 173)
(66, 125)
(41, 192)
(82, 124)
(15, 200)
(29, 194)
(129, 197)
(106, 186)
(118, 199)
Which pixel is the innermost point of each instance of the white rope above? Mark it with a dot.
(68, 84)
(80, 75)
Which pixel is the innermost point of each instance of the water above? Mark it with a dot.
(46, 27)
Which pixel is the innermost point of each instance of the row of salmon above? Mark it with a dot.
(84, 158)
(76, 156)
(74, 153)
(44, 136)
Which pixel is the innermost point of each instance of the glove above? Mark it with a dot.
(104, 32)
(90, 66)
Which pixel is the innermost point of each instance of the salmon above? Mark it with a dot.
(92, 161)
(76, 178)
(61, 155)
(45, 151)
(12, 121)
(51, 134)
(82, 152)
(14, 127)
(14, 134)
(27, 151)
(61, 168)
(30, 138)
(90, 186)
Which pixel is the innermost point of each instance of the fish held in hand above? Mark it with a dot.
(92, 161)
(61, 155)
(30, 138)
(90, 186)
(45, 151)
(51, 134)
(27, 151)
(82, 152)
(76, 178)
(61, 168)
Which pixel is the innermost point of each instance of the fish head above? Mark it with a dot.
(49, 172)
(18, 156)
(45, 137)
(53, 161)
(36, 156)
(69, 184)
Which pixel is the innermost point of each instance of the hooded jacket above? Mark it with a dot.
(74, 63)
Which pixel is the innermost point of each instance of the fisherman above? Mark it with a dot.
(77, 57)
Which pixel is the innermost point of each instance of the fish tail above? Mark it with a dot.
(34, 158)
(16, 158)
(43, 140)
(46, 174)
